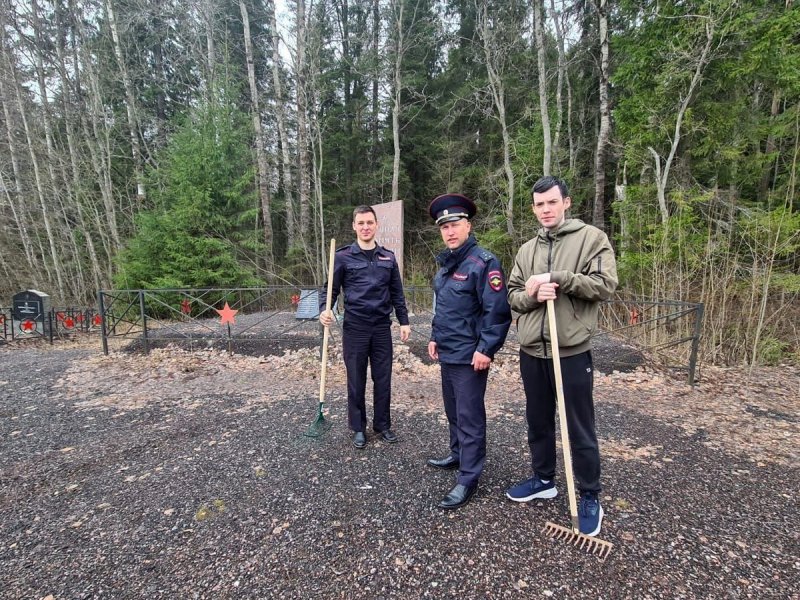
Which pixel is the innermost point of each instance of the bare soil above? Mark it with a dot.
(184, 474)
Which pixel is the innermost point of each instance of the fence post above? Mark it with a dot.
(698, 321)
(143, 316)
(102, 306)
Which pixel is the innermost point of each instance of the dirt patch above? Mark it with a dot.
(186, 474)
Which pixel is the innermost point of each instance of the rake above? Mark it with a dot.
(570, 535)
(320, 424)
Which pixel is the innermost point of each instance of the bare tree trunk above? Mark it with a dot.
(376, 29)
(398, 7)
(562, 76)
(261, 145)
(573, 147)
(59, 186)
(346, 62)
(620, 195)
(96, 140)
(601, 152)
(662, 176)
(40, 192)
(497, 90)
(130, 103)
(21, 223)
(302, 123)
(280, 117)
(538, 31)
(69, 129)
(770, 145)
(208, 11)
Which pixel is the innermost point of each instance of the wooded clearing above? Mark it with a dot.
(203, 143)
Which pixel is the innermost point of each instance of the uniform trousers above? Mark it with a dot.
(463, 390)
(362, 345)
(538, 379)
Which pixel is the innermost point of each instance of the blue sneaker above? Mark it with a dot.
(590, 514)
(529, 489)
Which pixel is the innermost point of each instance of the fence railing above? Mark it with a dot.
(56, 322)
(631, 331)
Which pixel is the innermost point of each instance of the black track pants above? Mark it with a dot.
(538, 380)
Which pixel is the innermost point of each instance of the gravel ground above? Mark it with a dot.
(186, 475)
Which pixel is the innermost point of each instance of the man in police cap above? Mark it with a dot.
(370, 278)
(471, 320)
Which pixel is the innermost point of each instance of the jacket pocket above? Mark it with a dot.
(573, 329)
(529, 328)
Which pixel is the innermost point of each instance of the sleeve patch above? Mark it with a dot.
(495, 280)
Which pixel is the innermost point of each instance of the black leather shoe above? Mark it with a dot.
(359, 440)
(446, 464)
(457, 497)
(389, 436)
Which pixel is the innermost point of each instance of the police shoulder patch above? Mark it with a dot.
(495, 280)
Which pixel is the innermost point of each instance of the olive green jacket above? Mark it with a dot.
(581, 261)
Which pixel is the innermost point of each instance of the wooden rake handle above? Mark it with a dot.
(562, 415)
(327, 332)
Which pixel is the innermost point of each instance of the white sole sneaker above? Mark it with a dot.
(543, 495)
(599, 524)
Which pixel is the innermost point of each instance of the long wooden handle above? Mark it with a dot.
(327, 332)
(562, 415)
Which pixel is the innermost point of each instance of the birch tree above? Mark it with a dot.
(261, 146)
(601, 151)
(496, 52)
(661, 165)
(544, 113)
(280, 118)
(130, 101)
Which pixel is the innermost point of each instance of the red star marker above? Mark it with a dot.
(227, 314)
(27, 326)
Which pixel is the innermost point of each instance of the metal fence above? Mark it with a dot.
(631, 331)
(57, 322)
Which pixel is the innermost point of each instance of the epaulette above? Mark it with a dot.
(484, 255)
(386, 249)
(343, 248)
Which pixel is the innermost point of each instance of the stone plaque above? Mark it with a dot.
(390, 228)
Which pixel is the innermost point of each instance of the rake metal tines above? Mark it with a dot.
(596, 546)
(320, 425)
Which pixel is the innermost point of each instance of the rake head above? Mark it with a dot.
(594, 545)
(319, 426)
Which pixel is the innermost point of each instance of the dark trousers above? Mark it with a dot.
(538, 380)
(463, 390)
(373, 345)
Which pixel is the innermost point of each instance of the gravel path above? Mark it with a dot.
(186, 476)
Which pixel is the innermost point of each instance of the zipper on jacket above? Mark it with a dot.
(549, 270)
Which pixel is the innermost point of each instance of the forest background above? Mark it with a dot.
(199, 143)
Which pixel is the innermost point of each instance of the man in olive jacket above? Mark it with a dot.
(573, 264)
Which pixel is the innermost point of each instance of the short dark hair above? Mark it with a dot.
(548, 182)
(362, 209)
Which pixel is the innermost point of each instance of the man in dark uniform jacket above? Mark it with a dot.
(370, 278)
(471, 320)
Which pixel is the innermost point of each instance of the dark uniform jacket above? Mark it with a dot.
(472, 311)
(371, 287)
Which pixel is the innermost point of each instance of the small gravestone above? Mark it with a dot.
(30, 311)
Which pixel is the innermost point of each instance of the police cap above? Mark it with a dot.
(451, 207)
